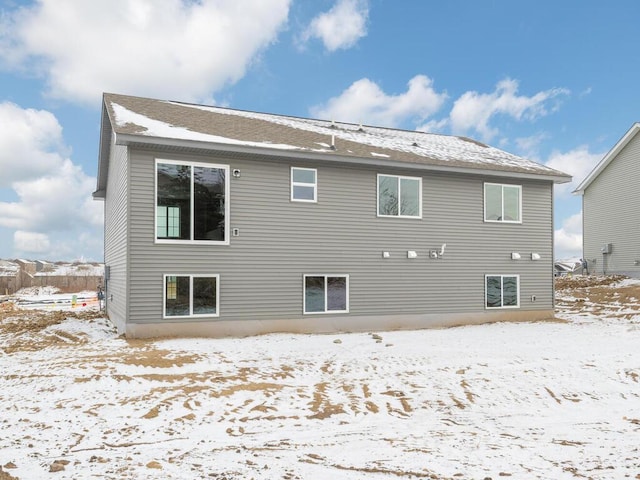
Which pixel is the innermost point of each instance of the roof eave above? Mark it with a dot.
(129, 139)
(106, 132)
(606, 160)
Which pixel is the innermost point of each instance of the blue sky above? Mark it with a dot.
(556, 82)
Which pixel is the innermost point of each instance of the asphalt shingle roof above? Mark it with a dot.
(149, 118)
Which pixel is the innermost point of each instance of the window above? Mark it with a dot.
(192, 202)
(502, 291)
(304, 184)
(502, 203)
(171, 283)
(326, 293)
(168, 222)
(191, 296)
(399, 196)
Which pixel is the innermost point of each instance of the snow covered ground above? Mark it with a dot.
(555, 400)
(48, 298)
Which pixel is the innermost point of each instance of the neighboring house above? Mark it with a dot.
(226, 222)
(610, 206)
(569, 267)
(67, 277)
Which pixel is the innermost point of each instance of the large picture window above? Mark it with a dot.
(399, 196)
(192, 202)
(304, 184)
(191, 296)
(326, 293)
(502, 291)
(502, 203)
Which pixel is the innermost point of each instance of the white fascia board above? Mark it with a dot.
(130, 139)
(606, 160)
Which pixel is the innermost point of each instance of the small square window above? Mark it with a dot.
(502, 203)
(502, 291)
(304, 184)
(326, 293)
(399, 196)
(191, 296)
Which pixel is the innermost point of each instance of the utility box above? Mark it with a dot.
(607, 248)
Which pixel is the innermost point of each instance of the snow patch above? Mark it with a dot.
(157, 128)
(535, 400)
(433, 146)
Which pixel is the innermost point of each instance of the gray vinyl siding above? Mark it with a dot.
(610, 214)
(261, 271)
(116, 236)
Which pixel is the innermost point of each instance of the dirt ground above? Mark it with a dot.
(163, 396)
(25, 327)
(594, 295)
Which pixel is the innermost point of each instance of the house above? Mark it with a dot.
(66, 277)
(226, 222)
(610, 206)
(569, 267)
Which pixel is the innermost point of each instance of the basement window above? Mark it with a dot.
(502, 291)
(191, 296)
(326, 293)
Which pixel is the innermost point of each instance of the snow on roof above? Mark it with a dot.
(173, 120)
(9, 269)
(156, 128)
(73, 270)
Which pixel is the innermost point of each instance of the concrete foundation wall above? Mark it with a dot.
(335, 324)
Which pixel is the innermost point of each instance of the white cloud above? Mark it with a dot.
(585, 92)
(342, 26)
(30, 142)
(365, 102)
(53, 194)
(31, 242)
(434, 126)
(577, 162)
(473, 111)
(58, 200)
(529, 146)
(162, 48)
(568, 238)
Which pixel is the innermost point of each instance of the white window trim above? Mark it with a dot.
(501, 307)
(227, 204)
(399, 177)
(484, 194)
(191, 277)
(304, 184)
(325, 275)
